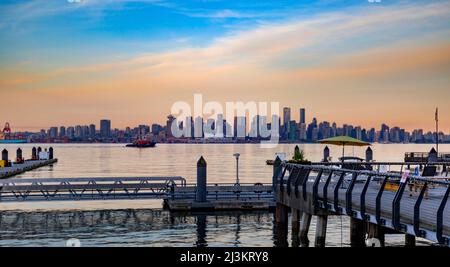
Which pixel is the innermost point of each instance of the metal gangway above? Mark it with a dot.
(93, 188)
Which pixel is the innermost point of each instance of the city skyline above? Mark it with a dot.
(358, 62)
(291, 128)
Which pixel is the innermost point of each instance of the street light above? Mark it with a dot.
(236, 155)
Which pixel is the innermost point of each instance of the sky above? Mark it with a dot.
(363, 62)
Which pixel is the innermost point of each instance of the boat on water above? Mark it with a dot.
(142, 144)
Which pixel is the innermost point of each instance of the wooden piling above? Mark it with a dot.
(321, 230)
(305, 222)
(296, 217)
(376, 231)
(357, 233)
(410, 240)
(281, 214)
(281, 225)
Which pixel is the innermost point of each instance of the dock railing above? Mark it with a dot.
(226, 191)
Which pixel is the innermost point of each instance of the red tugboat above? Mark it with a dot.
(142, 143)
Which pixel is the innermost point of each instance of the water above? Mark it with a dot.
(142, 222)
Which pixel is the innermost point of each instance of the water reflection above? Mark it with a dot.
(150, 227)
(135, 228)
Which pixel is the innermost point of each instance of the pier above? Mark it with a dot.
(415, 206)
(38, 159)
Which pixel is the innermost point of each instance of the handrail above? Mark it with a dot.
(411, 177)
(336, 205)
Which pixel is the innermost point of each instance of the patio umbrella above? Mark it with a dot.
(343, 141)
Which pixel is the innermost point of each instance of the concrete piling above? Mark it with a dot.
(321, 231)
(200, 195)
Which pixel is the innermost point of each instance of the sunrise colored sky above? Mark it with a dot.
(68, 62)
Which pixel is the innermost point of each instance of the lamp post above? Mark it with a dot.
(236, 155)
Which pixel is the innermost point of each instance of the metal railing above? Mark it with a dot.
(226, 191)
(99, 188)
(299, 179)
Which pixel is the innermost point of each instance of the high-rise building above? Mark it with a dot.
(53, 132)
(302, 115)
(105, 128)
(240, 127)
(78, 131)
(198, 127)
(92, 131)
(62, 131)
(71, 132)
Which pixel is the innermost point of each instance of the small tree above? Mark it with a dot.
(299, 155)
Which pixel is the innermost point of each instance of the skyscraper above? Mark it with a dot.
(105, 128)
(286, 115)
(92, 131)
(302, 115)
(170, 120)
(286, 121)
(62, 131)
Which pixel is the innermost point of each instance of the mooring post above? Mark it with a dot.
(19, 158)
(410, 240)
(357, 233)
(33, 153)
(326, 154)
(321, 231)
(50, 153)
(277, 169)
(200, 192)
(375, 231)
(305, 222)
(5, 155)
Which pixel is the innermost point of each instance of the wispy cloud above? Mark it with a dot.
(388, 49)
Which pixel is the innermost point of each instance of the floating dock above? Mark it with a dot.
(28, 165)
(39, 158)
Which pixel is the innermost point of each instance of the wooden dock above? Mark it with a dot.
(377, 203)
(27, 165)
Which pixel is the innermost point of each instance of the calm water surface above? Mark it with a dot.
(143, 223)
